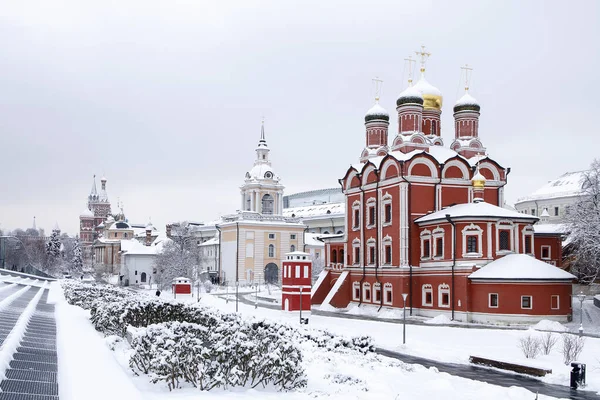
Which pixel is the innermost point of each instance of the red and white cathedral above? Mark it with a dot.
(428, 221)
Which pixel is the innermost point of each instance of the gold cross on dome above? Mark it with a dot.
(468, 71)
(411, 64)
(424, 56)
(378, 84)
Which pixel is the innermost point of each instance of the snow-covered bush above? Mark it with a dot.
(208, 286)
(572, 347)
(85, 294)
(548, 341)
(530, 346)
(234, 354)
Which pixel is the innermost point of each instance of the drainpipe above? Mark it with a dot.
(453, 259)
(410, 280)
(377, 249)
(219, 250)
(435, 186)
(362, 244)
(304, 239)
(498, 192)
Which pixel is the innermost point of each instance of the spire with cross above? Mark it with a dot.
(424, 56)
(468, 71)
(411, 65)
(378, 85)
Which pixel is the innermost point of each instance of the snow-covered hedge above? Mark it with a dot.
(234, 353)
(85, 294)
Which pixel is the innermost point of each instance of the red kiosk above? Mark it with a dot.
(181, 285)
(296, 283)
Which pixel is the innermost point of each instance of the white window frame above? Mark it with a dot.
(549, 252)
(371, 248)
(385, 201)
(530, 302)
(472, 230)
(425, 235)
(557, 302)
(438, 233)
(528, 231)
(298, 272)
(444, 288)
(387, 242)
(292, 236)
(427, 288)
(356, 207)
(355, 245)
(490, 300)
(504, 225)
(271, 254)
(387, 287)
(366, 286)
(355, 286)
(376, 289)
(371, 203)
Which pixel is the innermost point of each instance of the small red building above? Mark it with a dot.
(181, 285)
(296, 281)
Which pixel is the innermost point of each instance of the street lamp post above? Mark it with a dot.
(300, 305)
(227, 294)
(581, 298)
(237, 284)
(256, 298)
(404, 296)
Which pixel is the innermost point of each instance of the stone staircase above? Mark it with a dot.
(28, 359)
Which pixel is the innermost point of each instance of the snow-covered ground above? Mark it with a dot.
(448, 344)
(332, 375)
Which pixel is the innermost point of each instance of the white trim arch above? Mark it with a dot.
(455, 163)
(491, 167)
(472, 230)
(426, 161)
(387, 165)
(365, 174)
(348, 182)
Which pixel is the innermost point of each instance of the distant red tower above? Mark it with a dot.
(296, 281)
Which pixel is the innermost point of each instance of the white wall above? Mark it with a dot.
(140, 263)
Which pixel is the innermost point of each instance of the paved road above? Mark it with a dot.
(32, 373)
(493, 377)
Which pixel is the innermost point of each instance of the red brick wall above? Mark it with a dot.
(555, 243)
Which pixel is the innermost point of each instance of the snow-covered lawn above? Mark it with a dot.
(89, 369)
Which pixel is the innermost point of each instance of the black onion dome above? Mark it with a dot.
(467, 103)
(377, 112)
(410, 96)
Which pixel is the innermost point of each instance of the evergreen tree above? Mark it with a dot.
(53, 249)
(77, 261)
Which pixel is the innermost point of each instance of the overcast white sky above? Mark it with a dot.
(165, 97)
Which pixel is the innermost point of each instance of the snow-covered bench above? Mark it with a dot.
(523, 369)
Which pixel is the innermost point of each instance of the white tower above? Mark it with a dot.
(262, 191)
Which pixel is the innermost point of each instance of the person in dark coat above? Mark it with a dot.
(157, 293)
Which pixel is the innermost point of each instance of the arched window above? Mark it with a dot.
(125, 234)
(267, 204)
(292, 248)
(334, 256)
(271, 250)
(341, 257)
(143, 277)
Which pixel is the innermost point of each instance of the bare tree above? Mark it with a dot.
(548, 341)
(584, 223)
(174, 262)
(530, 346)
(572, 347)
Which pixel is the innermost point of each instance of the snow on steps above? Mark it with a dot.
(12, 342)
(338, 284)
(9, 299)
(8, 286)
(318, 283)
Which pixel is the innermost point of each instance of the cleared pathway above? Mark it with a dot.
(31, 373)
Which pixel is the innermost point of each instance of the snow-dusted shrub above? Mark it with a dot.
(329, 341)
(530, 346)
(234, 354)
(572, 347)
(85, 295)
(208, 286)
(548, 341)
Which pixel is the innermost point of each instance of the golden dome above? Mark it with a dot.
(478, 180)
(432, 97)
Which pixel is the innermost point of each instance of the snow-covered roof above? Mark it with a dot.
(476, 210)
(567, 185)
(87, 213)
(410, 92)
(377, 110)
(259, 171)
(467, 100)
(427, 88)
(551, 229)
(134, 247)
(210, 242)
(521, 267)
(317, 210)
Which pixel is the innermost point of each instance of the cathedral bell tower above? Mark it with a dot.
(377, 121)
(262, 191)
